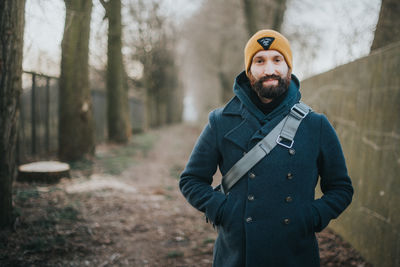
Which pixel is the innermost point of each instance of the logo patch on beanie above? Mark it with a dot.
(266, 42)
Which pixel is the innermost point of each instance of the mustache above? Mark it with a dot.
(269, 77)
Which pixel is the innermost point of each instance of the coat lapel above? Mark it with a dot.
(245, 127)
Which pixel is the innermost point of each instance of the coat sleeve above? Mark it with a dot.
(335, 183)
(196, 179)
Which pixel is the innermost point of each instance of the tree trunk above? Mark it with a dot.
(119, 129)
(263, 14)
(11, 44)
(280, 8)
(250, 16)
(226, 85)
(175, 94)
(388, 27)
(76, 126)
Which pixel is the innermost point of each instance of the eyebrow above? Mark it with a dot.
(263, 56)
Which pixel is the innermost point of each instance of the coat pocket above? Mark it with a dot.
(302, 222)
(300, 229)
(308, 219)
(225, 212)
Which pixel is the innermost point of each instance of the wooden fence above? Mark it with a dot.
(38, 124)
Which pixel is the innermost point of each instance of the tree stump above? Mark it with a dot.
(43, 171)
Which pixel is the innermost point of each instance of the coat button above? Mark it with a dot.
(286, 221)
(252, 175)
(250, 197)
(288, 199)
(289, 176)
(292, 151)
(249, 219)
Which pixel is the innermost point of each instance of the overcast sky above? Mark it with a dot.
(44, 26)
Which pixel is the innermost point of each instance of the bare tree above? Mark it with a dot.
(215, 42)
(263, 14)
(119, 128)
(11, 43)
(76, 127)
(152, 37)
(388, 28)
(249, 8)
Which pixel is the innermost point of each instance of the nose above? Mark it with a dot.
(269, 68)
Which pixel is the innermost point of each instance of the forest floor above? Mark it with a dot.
(124, 208)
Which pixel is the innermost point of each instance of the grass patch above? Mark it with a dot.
(44, 223)
(42, 244)
(208, 240)
(38, 244)
(24, 195)
(115, 165)
(144, 142)
(120, 158)
(47, 225)
(174, 254)
(67, 213)
(55, 215)
(85, 165)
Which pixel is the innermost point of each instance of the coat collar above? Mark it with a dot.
(234, 107)
(245, 128)
(242, 88)
(254, 124)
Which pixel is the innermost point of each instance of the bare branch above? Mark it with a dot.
(105, 5)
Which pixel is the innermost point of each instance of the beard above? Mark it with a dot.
(270, 91)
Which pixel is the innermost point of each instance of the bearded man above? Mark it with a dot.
(266, 213)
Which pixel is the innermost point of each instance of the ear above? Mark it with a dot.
(289, 74)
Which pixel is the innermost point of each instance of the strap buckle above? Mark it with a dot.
(218, 188)
(298, 113)
(280, 140)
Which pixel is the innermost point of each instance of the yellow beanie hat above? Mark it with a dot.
(267, 40)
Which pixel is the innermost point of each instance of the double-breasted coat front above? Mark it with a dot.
(269, 218)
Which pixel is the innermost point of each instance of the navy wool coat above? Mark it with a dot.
(269, 218)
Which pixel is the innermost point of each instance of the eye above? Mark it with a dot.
(259, 60)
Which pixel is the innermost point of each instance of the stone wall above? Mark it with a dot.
(362, 101)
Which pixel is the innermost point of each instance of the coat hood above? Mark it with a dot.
(242, 88)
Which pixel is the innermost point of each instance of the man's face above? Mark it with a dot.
(269, 74)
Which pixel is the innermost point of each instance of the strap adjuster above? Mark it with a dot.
(298, 113)
(281, 138)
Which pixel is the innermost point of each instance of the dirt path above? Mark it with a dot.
(125, 210)
(149, 222)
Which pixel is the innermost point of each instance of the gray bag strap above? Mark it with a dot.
(283, 134)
